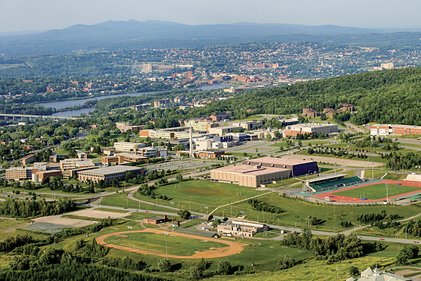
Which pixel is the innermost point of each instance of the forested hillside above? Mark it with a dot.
(392, 96)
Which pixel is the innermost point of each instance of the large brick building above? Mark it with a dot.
(388, 130)
(260, 171)
(108, 174)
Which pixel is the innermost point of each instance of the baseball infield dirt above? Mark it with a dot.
(231, 249)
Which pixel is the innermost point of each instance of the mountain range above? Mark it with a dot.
(160, 34)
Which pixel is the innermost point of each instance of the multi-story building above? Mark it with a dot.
(221, 131)
(310, 129)
(127, 146)
(108, 174)
(124, 158)
(110, 160)
(124, 127)
(28, 159)
(75, 163)
(42, 176)
(18, 173)
(249, 125)
(309, 113)
(388, 129)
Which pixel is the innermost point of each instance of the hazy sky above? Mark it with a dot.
(23, 15)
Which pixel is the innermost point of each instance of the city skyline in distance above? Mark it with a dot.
(44, 15)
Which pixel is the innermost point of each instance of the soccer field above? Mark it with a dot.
(377, 191)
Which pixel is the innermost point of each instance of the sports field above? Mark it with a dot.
(377, 191)
(169, 244)
(163, 243)
(372, 192)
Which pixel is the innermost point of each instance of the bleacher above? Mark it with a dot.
(335, 184)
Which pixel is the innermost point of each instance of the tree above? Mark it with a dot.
(184, 214)
(164, 265)
(179, 177)
(353, 271)
(224, 268)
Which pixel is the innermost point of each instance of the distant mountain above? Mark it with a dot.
(158, 34)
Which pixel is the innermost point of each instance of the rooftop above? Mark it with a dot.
(250, 170)
(109, 170)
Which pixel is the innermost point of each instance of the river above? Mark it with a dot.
(79, 102)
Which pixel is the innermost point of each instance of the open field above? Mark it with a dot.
(9, 227)
(98, 214)
(121, 200)
(169, 244)
(201, 196)
(297, 212)
(373, 192)
(54, 224)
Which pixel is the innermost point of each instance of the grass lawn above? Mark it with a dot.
(297, 212)
(201, 196)
(122, 200)
(313, 270)
(264, 255)
(377, 191)
(161, 243)
(9, 227)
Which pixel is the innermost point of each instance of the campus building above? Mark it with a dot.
(122, 146)
(260, 171)
(310, 129)
(296, 166)
(28, 159)
(249, 125)
(250, 176)
(43, 175)
(124, 127)
(388, 130)
(107, 174)
(75, 163)
(18, 173)
(241, 228)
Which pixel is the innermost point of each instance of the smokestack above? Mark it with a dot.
(191, 141)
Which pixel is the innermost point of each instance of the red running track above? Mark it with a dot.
(347, 199)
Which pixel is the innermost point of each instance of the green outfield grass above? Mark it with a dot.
(377, 191)
(200, 196)
(172, 245)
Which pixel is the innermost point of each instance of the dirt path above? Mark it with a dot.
(231, 249)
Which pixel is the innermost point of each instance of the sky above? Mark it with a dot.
(37, 15)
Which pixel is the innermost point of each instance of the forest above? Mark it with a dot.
(382, 96)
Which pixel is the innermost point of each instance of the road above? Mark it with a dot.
(21, 116)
